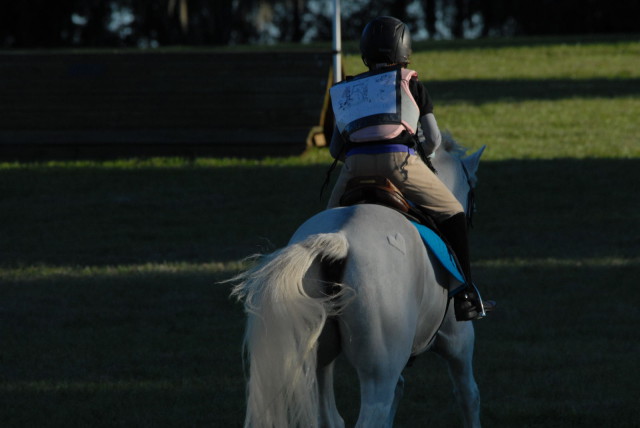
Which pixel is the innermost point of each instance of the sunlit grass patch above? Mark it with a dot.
(575, 61)
(599, 262)
(53, 386)
(568, 128)
(564, 59)
(312, 156)
(56, 273)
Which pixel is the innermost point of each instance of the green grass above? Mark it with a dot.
(110, 314)
(565, 59)
(533, 100)
(152, 345)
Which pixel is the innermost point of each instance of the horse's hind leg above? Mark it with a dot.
(379, 401)
(328, 351)
(396, 399)
(329, 416)
(379, 360)
(379, 344)
(455, 344)
(381, 383)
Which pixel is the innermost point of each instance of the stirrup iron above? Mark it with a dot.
(482, 313)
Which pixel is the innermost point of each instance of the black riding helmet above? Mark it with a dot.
(385, 40)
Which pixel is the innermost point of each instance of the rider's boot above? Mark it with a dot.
(467, 303)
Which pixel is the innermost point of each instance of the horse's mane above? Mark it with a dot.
(450, 145)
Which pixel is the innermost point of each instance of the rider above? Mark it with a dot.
(380, 137)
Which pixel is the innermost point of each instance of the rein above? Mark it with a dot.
(471, 197)
(327, 177)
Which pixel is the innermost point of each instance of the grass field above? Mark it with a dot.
(110, 314)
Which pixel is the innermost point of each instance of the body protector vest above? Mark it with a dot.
(375, 106)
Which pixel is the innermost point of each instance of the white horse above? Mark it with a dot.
(355, 280)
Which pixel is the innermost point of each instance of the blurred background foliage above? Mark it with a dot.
(151, 23)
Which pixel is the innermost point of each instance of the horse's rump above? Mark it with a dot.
(399, 288)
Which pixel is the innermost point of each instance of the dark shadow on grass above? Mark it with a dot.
(480, 91)
(130, 349)
(563, 208)
(94, 216)
(103, 216)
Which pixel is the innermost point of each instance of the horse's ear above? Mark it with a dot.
(471, 162)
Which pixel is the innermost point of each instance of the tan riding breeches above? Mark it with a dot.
(414, 179)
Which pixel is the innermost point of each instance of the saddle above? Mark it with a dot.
(375, 189)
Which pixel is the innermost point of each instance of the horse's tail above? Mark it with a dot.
(283, 326)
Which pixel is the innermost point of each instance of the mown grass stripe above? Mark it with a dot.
(38, 272)
(596, 262)
(34, 272)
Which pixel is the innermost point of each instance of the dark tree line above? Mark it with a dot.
(46, 23)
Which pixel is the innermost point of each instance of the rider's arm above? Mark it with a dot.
(431, 133)
(430, 137)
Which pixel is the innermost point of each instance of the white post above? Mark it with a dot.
(337, 43)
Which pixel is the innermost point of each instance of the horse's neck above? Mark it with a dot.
(451, 173)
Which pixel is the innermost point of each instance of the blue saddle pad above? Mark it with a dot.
(440, 250)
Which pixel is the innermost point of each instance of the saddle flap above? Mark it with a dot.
(374, 190)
